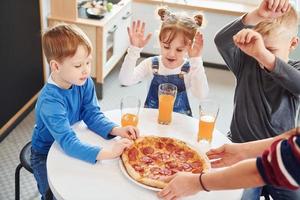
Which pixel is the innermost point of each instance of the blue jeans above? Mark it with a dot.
(38, 165)
(275, 192)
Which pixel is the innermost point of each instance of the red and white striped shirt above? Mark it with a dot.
(280, 164)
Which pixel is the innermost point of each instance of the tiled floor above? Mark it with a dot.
(221, 84)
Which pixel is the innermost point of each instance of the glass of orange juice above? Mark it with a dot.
(130, 108)
(166, 98)
(208, 113)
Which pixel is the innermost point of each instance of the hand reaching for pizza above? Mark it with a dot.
(226, 155)
(129, 132)
(181, 184)
(115, 150)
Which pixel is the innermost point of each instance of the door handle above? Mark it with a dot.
(128, 14)
(111, 31)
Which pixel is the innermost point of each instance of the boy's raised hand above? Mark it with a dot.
(136, 34)
(129, 132)
(196, 47)
(250, 42)
(272, 9)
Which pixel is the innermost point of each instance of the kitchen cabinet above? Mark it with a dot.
(107, 35)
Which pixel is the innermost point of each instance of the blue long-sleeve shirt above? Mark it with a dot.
(58, 109)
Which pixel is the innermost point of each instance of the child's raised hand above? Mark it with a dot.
(250, 42)
(136, 34)
(195, 48)
(129, 132)
(272, 9)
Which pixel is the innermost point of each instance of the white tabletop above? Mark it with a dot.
(72, 179)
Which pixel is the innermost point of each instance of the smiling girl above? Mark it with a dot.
(180, 62)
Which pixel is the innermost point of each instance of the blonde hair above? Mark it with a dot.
(174, 23)
(287, 24)
(62, 41)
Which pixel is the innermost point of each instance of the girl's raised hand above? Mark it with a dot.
(137, 34)
(196, 47)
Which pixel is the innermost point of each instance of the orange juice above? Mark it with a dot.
(206, 127)
(166, 103)
(129, 119)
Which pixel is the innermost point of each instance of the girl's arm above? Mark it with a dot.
(196, 79)
(131, 74)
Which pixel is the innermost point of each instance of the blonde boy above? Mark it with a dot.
(256, 49)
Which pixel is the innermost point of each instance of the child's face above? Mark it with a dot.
(281, 45)
(174, 52)
(74, 70)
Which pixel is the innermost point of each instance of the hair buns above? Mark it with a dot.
(198, 19)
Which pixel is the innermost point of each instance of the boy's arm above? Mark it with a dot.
(196, 79)
(131, 74)
(280, 164)
(55, 118)
(226, 47)
(92, 115)
(287, 76)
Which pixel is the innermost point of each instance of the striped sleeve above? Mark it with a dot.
(280, 165)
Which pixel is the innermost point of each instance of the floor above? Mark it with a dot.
(221, 84)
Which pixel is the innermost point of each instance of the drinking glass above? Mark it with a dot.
(130, 108)
(166, 95)
(208, 113)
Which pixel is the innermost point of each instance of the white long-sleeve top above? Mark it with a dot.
(195, 80)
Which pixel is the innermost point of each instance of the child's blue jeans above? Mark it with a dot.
(38, 165)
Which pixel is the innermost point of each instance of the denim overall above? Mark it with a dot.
(181, 104)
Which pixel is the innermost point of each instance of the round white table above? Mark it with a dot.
(73, 179)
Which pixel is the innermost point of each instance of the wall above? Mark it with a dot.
(296, 53)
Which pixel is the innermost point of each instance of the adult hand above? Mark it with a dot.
(181, 184)
(226, 155)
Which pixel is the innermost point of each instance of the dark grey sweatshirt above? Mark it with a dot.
(265, 103)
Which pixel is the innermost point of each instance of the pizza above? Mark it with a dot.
(151, 159)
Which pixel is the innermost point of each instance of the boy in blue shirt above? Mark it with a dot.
(68, 97)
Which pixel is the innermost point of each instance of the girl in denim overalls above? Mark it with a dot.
(178, 38)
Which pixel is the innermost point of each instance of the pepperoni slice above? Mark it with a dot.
(138, 168)
(171, 165)
(189, 154)
(170, 147)
(164, 139)
(132, 154)
(165, 172)
(147, 150)
(159, 145)
(156, 156)
(146, 159)
(187, 167)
